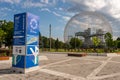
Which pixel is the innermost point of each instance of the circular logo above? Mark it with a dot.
(33, 24)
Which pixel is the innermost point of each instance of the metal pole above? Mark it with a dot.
(75, 42)
(50, 35)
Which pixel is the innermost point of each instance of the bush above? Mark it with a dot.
(5, 52)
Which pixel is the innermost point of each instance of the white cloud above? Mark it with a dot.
(5, 9)
(44, 1)
(56, 14)
(45, 9)
(108, 8)
(66, 18)
(32, 4)
(10, 1)
(60, 9)
(111, 7)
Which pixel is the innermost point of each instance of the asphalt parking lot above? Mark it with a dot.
(62, 67)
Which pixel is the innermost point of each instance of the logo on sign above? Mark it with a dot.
(33, 24)
(16, 59)
(35, 53)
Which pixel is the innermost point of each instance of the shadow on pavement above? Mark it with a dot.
(7, 71)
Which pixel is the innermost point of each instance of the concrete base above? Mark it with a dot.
(43, 58)
(112, 54)
(10, 59)
(21, 70)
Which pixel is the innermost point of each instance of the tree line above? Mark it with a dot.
(6, 37)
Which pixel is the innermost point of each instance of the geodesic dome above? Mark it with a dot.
(86, 21)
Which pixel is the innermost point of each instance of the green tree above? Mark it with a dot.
(7, 27)
(66, 46)
(75, 43)
(45, 41)
(9, 34)
(118, 42)
(108, 40)
(118, 38)
(2, 36)
(96, 41)
(57, 44)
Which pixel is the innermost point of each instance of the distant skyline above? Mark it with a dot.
(58, 12)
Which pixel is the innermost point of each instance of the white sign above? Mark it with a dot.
(20, 50)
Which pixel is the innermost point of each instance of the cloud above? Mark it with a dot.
(66, 18)
(45, 1)
(46, 9)
(29, 4)
(11, 1)
(5, 9)
(111, 7)
(108, 8)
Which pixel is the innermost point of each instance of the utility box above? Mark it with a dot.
(25, 43)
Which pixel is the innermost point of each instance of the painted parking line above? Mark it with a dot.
(97, 70)
(56, 73)
(55, 63)
(106, 76)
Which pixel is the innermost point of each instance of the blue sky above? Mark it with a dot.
(58, 12)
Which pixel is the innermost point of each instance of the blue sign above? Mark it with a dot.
(32, 40)
(25, 41)
(19, 29)
(18, 61)
(33, 24)
(19, 41)
(33, 50)
(20, 24)
(31, 61)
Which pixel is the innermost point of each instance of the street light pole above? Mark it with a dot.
(50, 35)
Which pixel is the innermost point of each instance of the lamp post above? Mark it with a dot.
(50, 35)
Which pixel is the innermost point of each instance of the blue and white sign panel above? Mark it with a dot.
(33, 25)
(32, 40)
(31, 61)
(25, 40)
(34, 50)
(18, 61)
(20, 24)
(19, 29)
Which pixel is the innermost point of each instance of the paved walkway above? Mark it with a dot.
(62, 67)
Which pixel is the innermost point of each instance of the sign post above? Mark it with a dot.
(25, 43)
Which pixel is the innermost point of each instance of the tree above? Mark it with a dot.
(45, 41)
(57, 44)
(9, 34)
(118, 42)
(66, 46)
(2, 36)
(118, 38)
(108, 40)
(7, 27)
(75, 43)
(96, 41)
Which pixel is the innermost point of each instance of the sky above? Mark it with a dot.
(59, 12)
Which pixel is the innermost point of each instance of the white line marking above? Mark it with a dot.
(55, 63)
(107, 76)
(56, 73)
(75, 64)
(99, 68)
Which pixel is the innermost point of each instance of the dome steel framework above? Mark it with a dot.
(86, 25)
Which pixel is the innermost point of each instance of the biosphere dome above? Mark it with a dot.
(86, 25)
